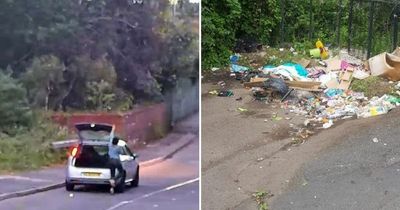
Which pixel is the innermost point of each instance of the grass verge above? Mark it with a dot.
(372, 86)
(30, 148)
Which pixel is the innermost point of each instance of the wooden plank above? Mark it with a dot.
(309, 86)
(257, 79)
(308, 89)
(253, 84)
(347, 75)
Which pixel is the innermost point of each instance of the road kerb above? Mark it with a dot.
(188, 139)
(21, 193)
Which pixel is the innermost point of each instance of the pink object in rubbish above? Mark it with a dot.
(344, 65)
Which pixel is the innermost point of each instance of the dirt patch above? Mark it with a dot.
(282, 132)
(221, 76)
(248, 113)
(263, 116)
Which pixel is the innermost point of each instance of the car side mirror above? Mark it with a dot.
(135, 156)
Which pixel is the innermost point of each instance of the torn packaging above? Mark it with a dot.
(385, 65)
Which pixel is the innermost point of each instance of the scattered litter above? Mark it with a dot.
(360, 74)
(276, 118)
(235, 68)
(214, 69)
(242, 109)
(318, 89)
(306, 122)
(225, 93)
(328, 124)
(221, 83)
(375, 140)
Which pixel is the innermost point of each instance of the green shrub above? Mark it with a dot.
(14, 110)
(31, 148)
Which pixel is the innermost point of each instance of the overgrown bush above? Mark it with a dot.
(31, 148)
(283, 23)
(14, 110)
(220, 21)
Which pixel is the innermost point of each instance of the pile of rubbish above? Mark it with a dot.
(326, 83)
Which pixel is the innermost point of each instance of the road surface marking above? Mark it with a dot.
(154, 193)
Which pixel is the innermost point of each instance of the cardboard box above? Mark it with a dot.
(385, 65)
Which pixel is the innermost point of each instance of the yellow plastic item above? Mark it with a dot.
(319, 44)
(373, 111)
(316, 53)
(323, 52)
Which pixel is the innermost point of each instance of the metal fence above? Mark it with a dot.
(348, 26)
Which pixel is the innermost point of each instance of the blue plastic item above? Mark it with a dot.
(234, 59)
(333, 92)
(238, 68)
(269, 67)
(299, 68)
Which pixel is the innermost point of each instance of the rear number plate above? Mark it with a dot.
(91, 174)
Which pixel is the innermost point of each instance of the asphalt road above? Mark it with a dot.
(356, 173)
(172, 184)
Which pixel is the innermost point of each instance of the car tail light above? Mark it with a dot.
(74, 151)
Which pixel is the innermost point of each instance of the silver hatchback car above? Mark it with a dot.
(88, 160)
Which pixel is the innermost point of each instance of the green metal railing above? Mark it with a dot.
(377, 33)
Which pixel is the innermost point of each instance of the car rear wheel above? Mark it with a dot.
(135, 181)
(69, 186)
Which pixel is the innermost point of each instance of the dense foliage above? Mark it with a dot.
(232, 25)
(65, 52)
(14, 108)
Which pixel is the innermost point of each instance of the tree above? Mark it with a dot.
(44, 81)
(100, 95)
(107, 31)
(14, 109)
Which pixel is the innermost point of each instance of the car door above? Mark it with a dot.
(126, 161)
(132, 164)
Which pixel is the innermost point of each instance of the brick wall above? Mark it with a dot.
(137, 126)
